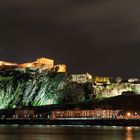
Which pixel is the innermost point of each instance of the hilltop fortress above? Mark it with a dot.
(40, 63)
(104, 87)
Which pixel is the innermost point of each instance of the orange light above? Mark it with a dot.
(128, 114)
(29, 65)
(25, 65)
(1, 63)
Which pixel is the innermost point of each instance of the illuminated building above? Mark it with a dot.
(132, 80)
(3, 63)
(24, 113)
(43, 63)
(103, 80)
(130, 115)
(26, 65)
(61, 68)
(96, 113)
(52, 83)
(81, 78)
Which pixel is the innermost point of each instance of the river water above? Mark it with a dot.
(40, 132)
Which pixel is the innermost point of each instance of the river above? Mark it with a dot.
(46, 132)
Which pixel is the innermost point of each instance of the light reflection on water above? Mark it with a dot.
(46, 132)
(129, 134)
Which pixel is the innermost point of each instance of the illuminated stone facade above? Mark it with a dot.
(115, 89)
(3, 63)
(61, 68)
(43, 63)
(81, 78)
(102, 80)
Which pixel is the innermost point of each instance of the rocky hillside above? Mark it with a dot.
(30, 87)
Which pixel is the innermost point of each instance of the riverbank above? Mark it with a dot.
(102, 122)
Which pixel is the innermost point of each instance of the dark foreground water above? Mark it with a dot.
(38, 132)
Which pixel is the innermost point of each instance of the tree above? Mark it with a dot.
(89, 91)
(73, 92)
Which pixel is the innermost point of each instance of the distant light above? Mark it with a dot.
(89, 76)
(29, 65)
(14, 106)
(136, 113)
(129, 128)
(1, 63)
(128, 114)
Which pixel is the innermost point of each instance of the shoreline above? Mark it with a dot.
(101, 122)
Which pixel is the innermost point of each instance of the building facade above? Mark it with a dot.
(24, 113)
(43, 63)
(95, 113)
(81, 78)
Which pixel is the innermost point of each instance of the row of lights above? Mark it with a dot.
(129, 114)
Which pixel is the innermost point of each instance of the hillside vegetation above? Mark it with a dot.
(31, 87)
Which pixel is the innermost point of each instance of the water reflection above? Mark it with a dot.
(129, 134)
(44, 132)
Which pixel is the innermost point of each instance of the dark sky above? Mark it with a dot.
(101, 37)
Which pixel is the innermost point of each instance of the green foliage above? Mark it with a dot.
(89, 92)
(2, 78)
(31, 87)
(73, 92)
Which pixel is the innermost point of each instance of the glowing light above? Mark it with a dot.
(102, 79)
(129, 128)
(128, 114)
(14, 106)
(136, 113)
(3, 63)
(26, 65)
(89, 76)
(29, 65)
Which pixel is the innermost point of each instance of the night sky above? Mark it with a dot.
(101, 37)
